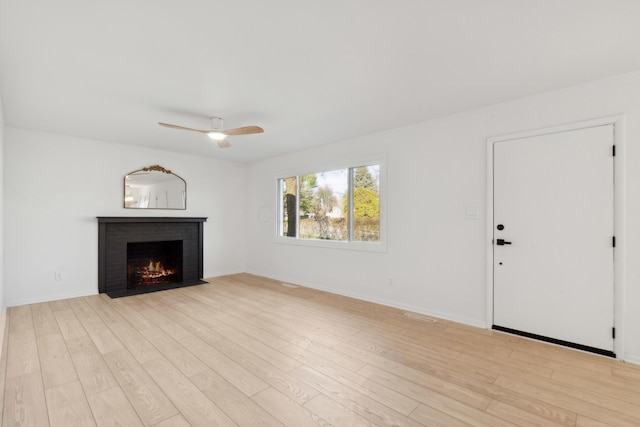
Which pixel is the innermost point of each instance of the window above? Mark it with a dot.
(335, 205)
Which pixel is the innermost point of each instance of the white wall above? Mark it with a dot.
(3, 311)
(56, 186)
(435, 262)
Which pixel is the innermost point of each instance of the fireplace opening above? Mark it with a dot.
(153, 263)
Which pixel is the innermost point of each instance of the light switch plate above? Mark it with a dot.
(472, 213)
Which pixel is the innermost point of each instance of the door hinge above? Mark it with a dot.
(613, 333)
(614, 150)
(613, 241)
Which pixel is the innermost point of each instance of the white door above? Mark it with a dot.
(553, 237)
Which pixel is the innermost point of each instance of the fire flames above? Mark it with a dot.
(154, 272)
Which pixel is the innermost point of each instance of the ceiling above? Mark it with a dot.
(309, 73)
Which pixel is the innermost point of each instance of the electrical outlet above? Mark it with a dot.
(57, 275)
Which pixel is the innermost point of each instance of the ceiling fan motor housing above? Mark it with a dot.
(217, 123)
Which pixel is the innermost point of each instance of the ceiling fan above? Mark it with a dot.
(217, 133)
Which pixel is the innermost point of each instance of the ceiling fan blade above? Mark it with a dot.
(246, 130)
(168, 125)
(223, 143)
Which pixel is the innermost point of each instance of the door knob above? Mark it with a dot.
(501, 242)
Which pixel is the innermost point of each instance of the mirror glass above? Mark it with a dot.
(154, 187)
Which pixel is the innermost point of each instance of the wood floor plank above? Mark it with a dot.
(421, 357)
(135, 342)
(336, 414)
(402, 344)
(68, 406)
(22, 353)
(44, 321)
(137, 345)
(19, 318)
(240, 377)
(571, 402)
(366, 407)
(59, 305)
(626, 371)
(192, 403)
(594, 395)
(3, 366)
(128, 309)
(288, 411)
(177, 421)
(559, 364)
(489, 341)
(204, 294)
(55, 361)
(302, 350)
(583, 421)
(429, 416)
(193, 326)
(24, 402)
(518, 416)
(422, 388)
(543, 409)
(377, 391)
(182, 358)
(466, 414)
(410, 367)
(159, 320)
(268, 372)
(150, 403)
(618, 388)
(159, 300)
(102, 337)
(420, 360)
(69, 325)
(245, 324)
(237, 405)
(112, 408)
(258, 347)
(95, 376)
(501, 365)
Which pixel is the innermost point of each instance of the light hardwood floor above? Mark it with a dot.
(245, 350)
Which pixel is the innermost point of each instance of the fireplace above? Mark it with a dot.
(144, 254)
(153, 263)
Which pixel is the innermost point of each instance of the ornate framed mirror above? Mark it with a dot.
(154, 187)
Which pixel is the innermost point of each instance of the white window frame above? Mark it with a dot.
(380, 246)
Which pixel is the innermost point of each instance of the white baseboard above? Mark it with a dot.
(15, 303)
(381, 301)
(215, 274)
(632, 358)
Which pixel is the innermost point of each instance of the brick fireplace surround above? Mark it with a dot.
(115, 233)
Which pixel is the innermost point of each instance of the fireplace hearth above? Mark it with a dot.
(145, 254)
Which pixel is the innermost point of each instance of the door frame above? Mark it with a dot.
(618, 123)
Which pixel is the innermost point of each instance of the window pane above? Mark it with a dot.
(321, 205)
(288, 190)
(366, 203)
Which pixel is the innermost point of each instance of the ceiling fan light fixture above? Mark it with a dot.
(217, 131)
(216, 136)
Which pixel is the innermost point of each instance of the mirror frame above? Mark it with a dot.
(154, 168)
